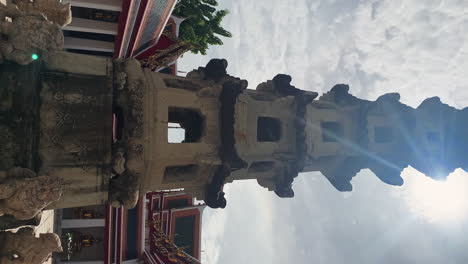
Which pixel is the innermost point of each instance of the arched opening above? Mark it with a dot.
(184, 125)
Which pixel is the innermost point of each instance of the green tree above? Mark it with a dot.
(202, 26)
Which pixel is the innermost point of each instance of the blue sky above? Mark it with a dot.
(417, 48)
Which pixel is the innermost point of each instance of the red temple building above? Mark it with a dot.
(179, 218)
(164, 227)
(143, 29)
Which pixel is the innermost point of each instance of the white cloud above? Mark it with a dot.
(434, 201)
(417, 48)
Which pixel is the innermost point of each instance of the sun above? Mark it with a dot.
(437, 201)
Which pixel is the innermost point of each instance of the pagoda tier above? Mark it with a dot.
(346, 134)
(280, 131)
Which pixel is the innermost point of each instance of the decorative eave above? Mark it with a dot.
(156, 58)
(141, 25)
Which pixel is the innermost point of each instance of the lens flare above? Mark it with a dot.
(437, 201)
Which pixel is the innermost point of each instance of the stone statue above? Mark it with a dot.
(24, 196)
(24, 247)
(54, 11)
(124, 186)
(28, 33)
(124, 191)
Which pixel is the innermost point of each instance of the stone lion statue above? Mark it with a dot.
(23, 195)
(53, 10)
(124, 186)
(24, 247)
(27, 33)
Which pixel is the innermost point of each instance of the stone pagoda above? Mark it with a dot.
(101, 127)
(96, 129)
(79, 130)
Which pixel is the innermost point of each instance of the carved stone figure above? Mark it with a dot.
(215, 72)
(28, 33)
(24, 196)
(124, 186)
(118, 165)
(124, 190)
(214, 196)
(24, 247)
(54, 11)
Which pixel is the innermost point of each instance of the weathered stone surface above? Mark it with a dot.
(23, 195)
(128, 151)
(76, 128)
(19, 105)
(8, 147)
(28, 33)
(24, 247)
(53, 10)
(124, 191)
(67, 62)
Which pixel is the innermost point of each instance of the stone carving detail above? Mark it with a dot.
(127, 152)
(69, 104)
(124, 190)
(215, 72)
(28, 33)
(214, 196)
(118, 165)
(124, 186)
(24, 195)
(53, 10)
(8, 147)
(24, 247)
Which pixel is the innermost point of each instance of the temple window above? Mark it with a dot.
(184, 125)
(95, 14)
(383, 134)
(180, 173)
(433, 137)
(184, 230)
(177, 203)
(331, 131)
(268, 129)
(261, 166)
(156, 206)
